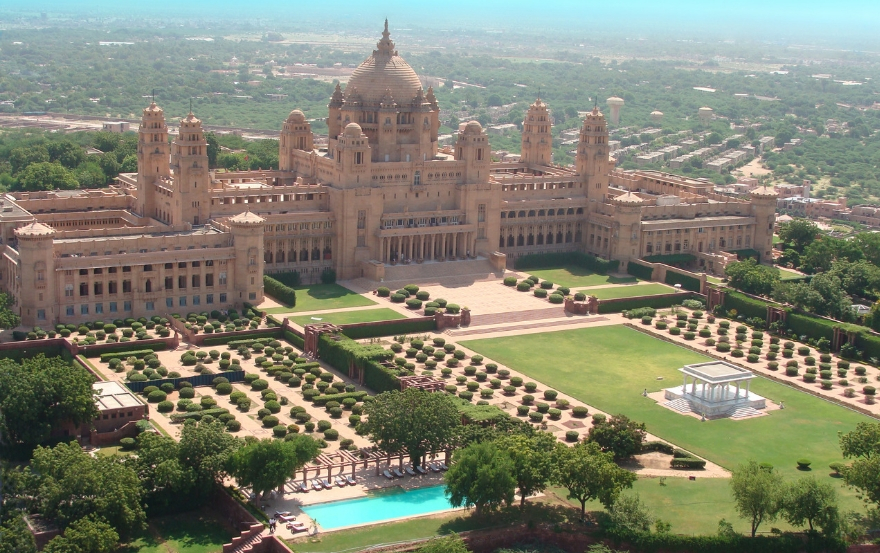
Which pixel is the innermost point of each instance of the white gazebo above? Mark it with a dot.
(715, 389)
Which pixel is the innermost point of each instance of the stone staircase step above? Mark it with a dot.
(469, 331)
(743, 412)
(682, 405)
(517, 316)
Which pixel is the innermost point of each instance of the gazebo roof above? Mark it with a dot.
(717, 372)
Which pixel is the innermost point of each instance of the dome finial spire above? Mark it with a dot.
(386, 45)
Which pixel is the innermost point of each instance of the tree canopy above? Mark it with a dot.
(798, 233)
(618, 435)
(809, 501)
(86, 535)
(532, 463)
(751, 277)
(589, 473)
(39, 394)
(481, 476)
(863, 446)
(756, 492)
(413, 420)
(267, 464)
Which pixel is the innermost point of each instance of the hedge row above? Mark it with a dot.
(216, 412)
(657, 302)
(561, 259)
(395, 328)
(249, 342)
(294, 339)
(341, 353)
(662, 447)
(122, 354)
(639, 271)
(687, 282)
(738, 543)
(744, 305)
(269, 334)
(123, 347)
(687, 463)
(280, 291)
(288, 278)
(322, 400)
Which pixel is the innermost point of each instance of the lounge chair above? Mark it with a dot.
(297, 527)
(442, 465)
(433, 467)
(340, 481)
(410, 471)
(282, 514)
(387, 474)
(397, 472)
(350, 480)
(304, 487)
(421, 470)
(327, 484)
(317, 485)
(287, 518)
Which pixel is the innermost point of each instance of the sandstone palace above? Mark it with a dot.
(382, 197)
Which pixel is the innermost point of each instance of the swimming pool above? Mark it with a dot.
(378, 506)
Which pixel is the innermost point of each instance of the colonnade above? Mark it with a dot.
(428, 247)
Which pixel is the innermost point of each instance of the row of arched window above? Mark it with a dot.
(541, 213)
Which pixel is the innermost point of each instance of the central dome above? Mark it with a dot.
(384, 71)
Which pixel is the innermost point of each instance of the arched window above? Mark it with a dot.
(570, 211)
(549, 237)
(509, 244)
(501, 241)
(280, 256)
(550, 212)
(532, 213)
(530, 241)
(568, 237)
(304, 255)
(521, 214)
(511, 215)
(541, 213)
(520, 240)
(559, 237)
(316, 254)
(580, 211)
(328, 254)
(148, 286)
(267, 257)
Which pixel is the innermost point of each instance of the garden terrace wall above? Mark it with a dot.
(155, 344)
(195, 380)
(660, 301)
(359, 362)
(221, 338)
(660, 272)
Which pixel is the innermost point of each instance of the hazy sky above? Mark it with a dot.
(764, 19)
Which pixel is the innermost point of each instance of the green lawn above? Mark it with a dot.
(630, 291)
(201, 531)
(322, 296)
(608, 367)
(786, 274)
(348, 317)
(577, 277)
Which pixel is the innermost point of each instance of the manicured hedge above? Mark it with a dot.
(561, 259)
(234, 340)
(323, 400)
(687, 282)
(180, 417)
(661, 447)
(687, 463)
(392, 329)
(122, 354)
(639, 271)
(657, 302)
(280, 291)
(341, 352)
(744, 305)
(294, 339)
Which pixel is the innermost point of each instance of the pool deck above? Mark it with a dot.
(367, 481)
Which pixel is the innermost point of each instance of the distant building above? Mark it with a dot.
(116, 126)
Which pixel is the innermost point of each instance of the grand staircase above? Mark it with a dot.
(681, 405)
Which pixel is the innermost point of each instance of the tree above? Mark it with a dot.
(798, 233)
(860, 278)
(267, 464)
(414, 421)
(807, 500)
(39, 394)
(531, 461)
(494, 100)
(213, 149)
(751, 277)
(8, 317)
(46, 176)
(205, 448)
(66, 153)
(863, 445)
(15, 537)
(480, 476)
(68, 484)
(756, 492)
(21, 158)
(166, 482)
(86, 535)
(445, 544)
(869, 244)
(618, 435)
(821, 253)
(630, 515)
(589, 473)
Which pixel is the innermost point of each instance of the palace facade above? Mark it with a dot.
(381, 195)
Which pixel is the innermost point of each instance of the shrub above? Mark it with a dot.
(165, 407)
(530, 387)
(516, 381)
(534, 416)
(791, 371)
(383, 292)
(556, 298)
(524, 286)
(127, 444)
(554, 414)
(510, 281)
(660, 325)
(550, 395)
(156, 396)
(869, 390)
(540, 293)
(509, 390)
(414, 303)
(224, 388)
(259, 384)
(522, 410)
(844, 365)
(579, 412)
(571, 436)
(803, 464)
(465, 395)
(646, 320)
(860, 371)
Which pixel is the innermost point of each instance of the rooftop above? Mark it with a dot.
(717, 372)
(113, 395)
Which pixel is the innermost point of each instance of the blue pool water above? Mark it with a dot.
(378, 506)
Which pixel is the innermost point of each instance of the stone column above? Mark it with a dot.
(412, 247)
(443, 254)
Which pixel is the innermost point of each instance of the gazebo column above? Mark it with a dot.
(748, 384)
(684, 385)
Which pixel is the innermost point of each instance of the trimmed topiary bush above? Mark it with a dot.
(571, 436)
(579, 412)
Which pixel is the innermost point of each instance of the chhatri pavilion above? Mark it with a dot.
(715, 389)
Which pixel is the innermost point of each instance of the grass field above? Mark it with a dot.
(349, 317)
(194, 532)
(577, 277)
(608, 367)
(322, 296)
(630, 291)
(787, 274)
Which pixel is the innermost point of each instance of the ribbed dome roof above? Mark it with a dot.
(384, 71)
